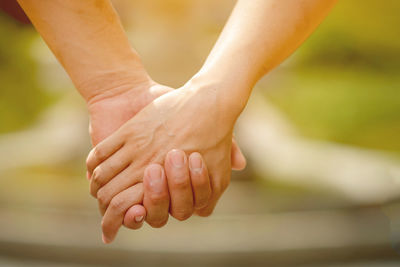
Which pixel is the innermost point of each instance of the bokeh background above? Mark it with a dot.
(321, 134)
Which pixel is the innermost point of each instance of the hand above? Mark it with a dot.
(108, 113)
(164, 124)
(188, 185)
(111, 111)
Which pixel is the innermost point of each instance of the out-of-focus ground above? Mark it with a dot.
(320, 133)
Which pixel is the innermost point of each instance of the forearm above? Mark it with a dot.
(259, 35)
(88, 40)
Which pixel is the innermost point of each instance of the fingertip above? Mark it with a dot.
(108, 232)
(105, 239)
(154, 177)
(152, 168)
(176, 159)
(135, 216)
(196, 162)
(238, 160)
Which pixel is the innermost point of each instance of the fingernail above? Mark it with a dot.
(178, 158)
(88, 175)
(139, 219)
(195, 162)
(105, 239)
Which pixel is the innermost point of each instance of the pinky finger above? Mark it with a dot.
(200, 179)
(134, 217)
(208, 210)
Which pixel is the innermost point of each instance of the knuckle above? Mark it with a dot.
(88, 162)
(117, 204)
(182, 215)
(180, 183)
(98, 153)
(97, 176)
(158, 198)
(202, 201)
(113, 168)
(200, 182)
(103, 198)
(203, 188)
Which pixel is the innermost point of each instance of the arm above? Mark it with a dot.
(259, 35)
(88, 40)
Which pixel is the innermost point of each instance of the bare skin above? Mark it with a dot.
(259, 35)
(107, 72)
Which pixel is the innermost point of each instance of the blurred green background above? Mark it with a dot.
(321, 184)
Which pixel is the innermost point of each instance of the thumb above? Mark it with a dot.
(237, 158)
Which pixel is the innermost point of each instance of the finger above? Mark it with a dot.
(218, 186)
(209, 209)
(156, 196)
(125, 179)
(103, 150)
(114, 216)
(200, 180)
(108, 169)
(179, 185)
(134, 217)
(237, 158)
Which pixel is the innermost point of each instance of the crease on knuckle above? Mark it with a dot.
(117, 204)
(201, 183)
(97, 176)
(98, 153)
(113, 168)
(103, 198)
(158, 198)
(182, 215)
(180, 183)
(203, 188)
(202, 200)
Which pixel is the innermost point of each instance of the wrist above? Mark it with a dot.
(114, 82)
(229, 93)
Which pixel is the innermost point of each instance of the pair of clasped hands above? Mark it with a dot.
(165, 151)
(159, 150)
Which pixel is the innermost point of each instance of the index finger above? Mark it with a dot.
(102, 151)
(114, 216)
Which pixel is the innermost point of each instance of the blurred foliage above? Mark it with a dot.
(21, 96)
(343, 84)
